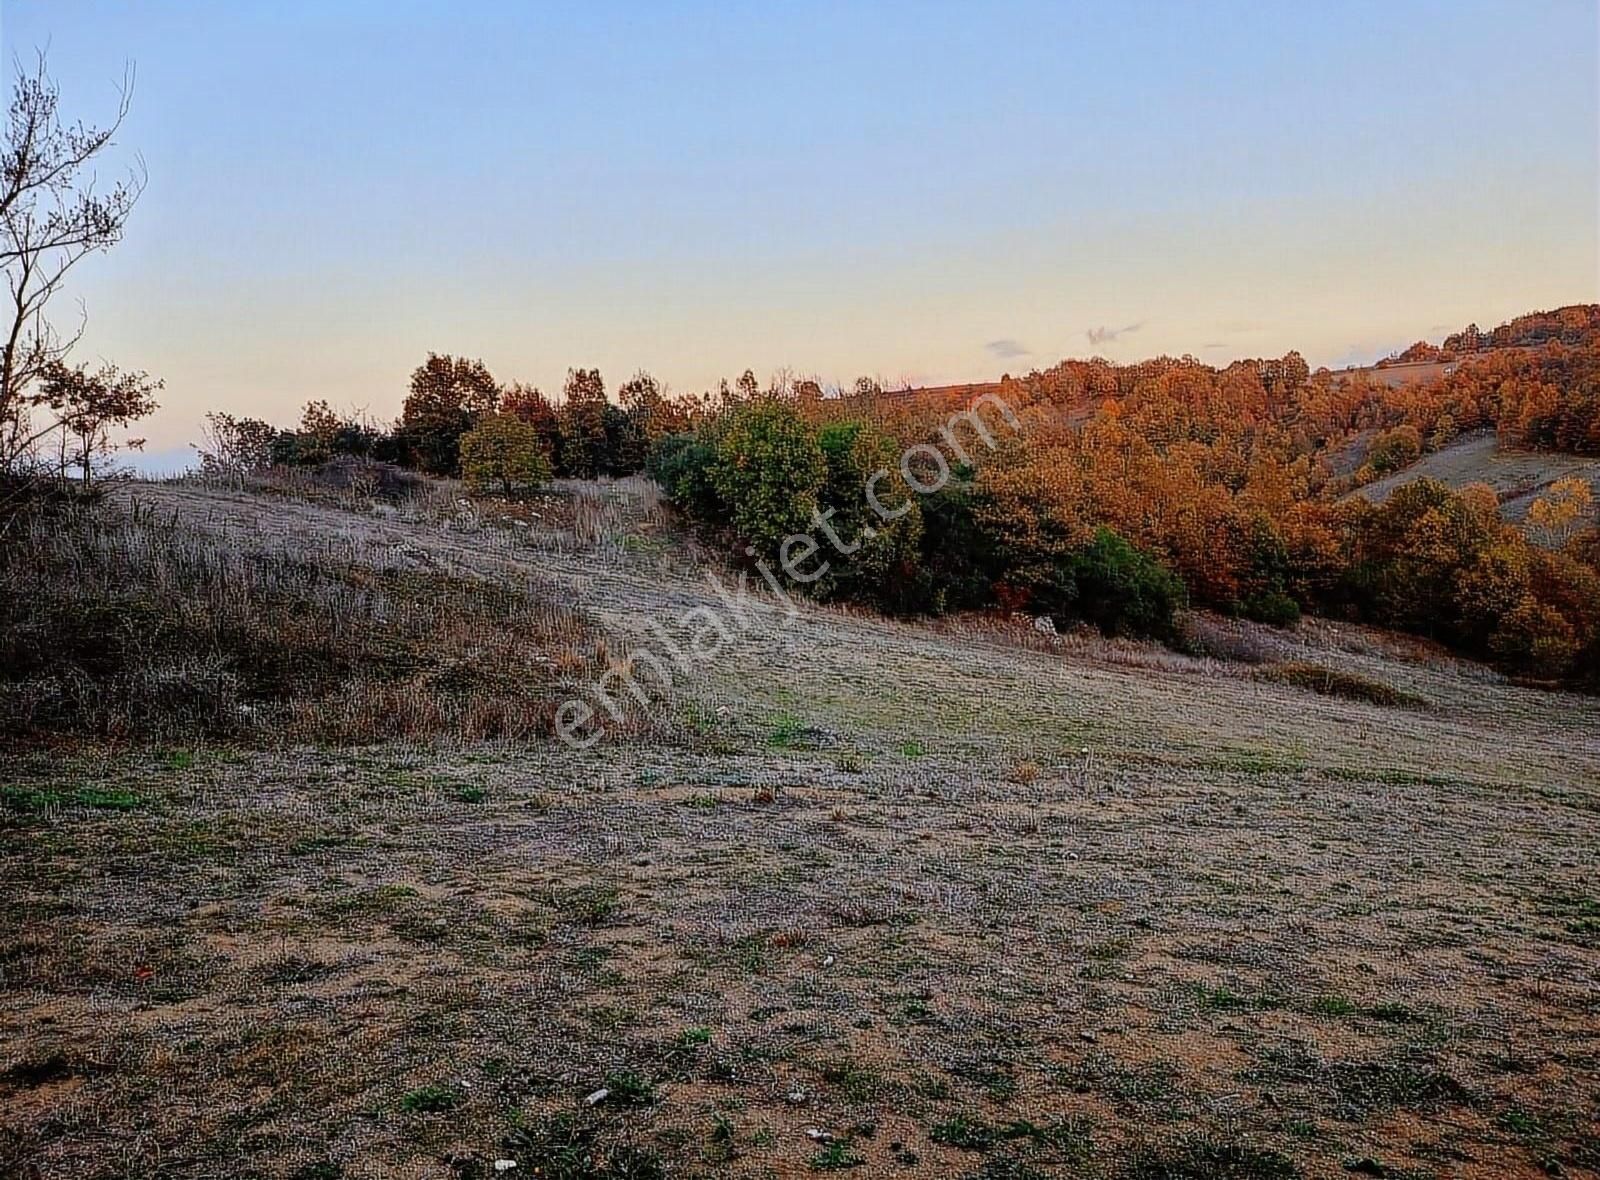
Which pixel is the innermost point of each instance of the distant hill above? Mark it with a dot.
(1422, 362)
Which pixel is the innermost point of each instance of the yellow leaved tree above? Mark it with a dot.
(1562, 512)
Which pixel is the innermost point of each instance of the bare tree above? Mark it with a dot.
(51, 217)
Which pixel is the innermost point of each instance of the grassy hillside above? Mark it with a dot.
(917, 900)
(1518, 477)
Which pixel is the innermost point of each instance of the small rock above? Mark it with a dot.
(598, 1097)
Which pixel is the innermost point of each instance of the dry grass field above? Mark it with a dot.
(891, 899)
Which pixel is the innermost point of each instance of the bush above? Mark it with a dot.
(768, 471)
(1535, 639)
(885, 549)
(1118, 588)
(1395, 449)
(957, 567)
(682, 464)
(502, 454)
(1273, 607)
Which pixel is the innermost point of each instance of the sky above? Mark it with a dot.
(927, 192)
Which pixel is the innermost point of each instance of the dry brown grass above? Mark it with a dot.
(119, 624)
(1231, 927)
(1332, 682)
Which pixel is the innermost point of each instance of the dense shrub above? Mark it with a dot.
(1335, 683)
(1274, 607)
(884, 540)
(764, 471)
(768, 471)
(682, 465)
(1119, 589)
(1394, 449)
(502, 454)
(958, 566)
(1441, 563)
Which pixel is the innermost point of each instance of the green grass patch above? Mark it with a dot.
(1332, 1005)
(971, 1132)
(628, 1088)
(29, 800)
(836, 1157)
(435, 1099)
(786, 732)
(1205, 1158)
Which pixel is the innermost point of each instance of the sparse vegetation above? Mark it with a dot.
(1334, 683)
(117, 624)
(434, 1099)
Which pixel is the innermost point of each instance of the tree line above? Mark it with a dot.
(1131, 490)
(1128, 492)
(457, 421)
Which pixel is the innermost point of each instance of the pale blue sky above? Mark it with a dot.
(932, 191)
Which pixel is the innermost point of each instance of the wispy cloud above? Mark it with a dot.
(1099, 336)
(1008, 349)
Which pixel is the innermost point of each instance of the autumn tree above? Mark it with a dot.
(1562, 512)
(533, 407)
(448, 395)
(583, 452)
(52, 216)
(1169, 479)
(648, 416)
(1536, 639)
(89, 405)
(503, 453)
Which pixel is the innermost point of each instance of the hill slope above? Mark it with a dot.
(934, 898)
(1518, 477)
